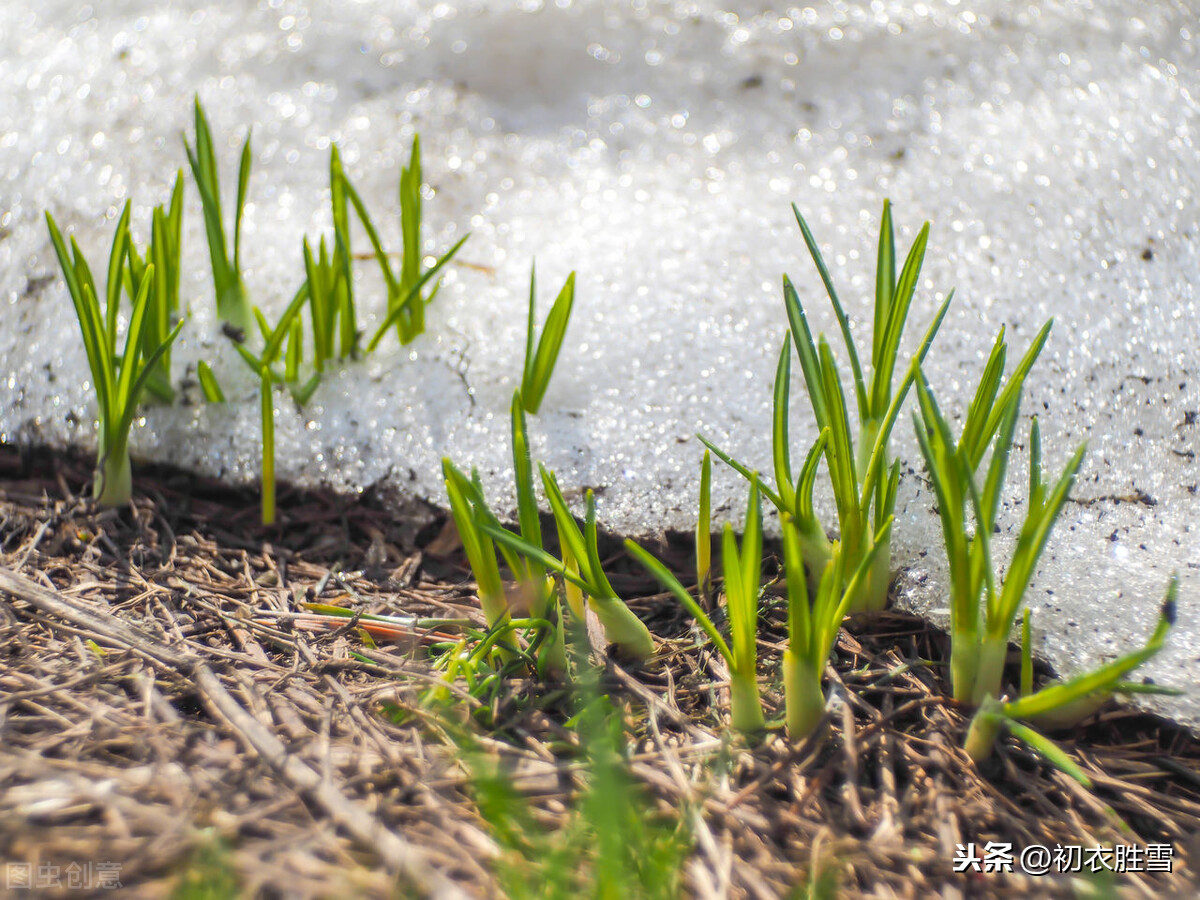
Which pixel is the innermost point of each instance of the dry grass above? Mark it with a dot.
(212, 735)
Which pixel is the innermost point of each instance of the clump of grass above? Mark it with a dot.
(743, 573)
(539, 363)
(233, 304)
(1063, 704)
(864, 480)
(473, 519)
(119, 381)
(406, 302)
(477, 525)
(981, 614)
(585, 585)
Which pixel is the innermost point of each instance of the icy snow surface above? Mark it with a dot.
(656, 149)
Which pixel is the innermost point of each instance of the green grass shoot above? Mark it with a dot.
(1063, 704)
(813, 626)
(480, 550)
(274, 340)
(406, 302)
(119, 381)
(162, 310)
(982, 615)
(864, 480)
(539, 364)
(585, 584)
(209, 385)
(472, 516)
(233, 305)
(743, 572)
(613, 842)
(339, 204)
(331, 306)
(704, 529)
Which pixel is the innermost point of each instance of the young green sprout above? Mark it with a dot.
(743, 571)
(981, 617)
(813, 626)
(704, 529)
(340, 207)
(585, 584)
(864, 480)
(233, 305)
(331, 306)
(1065, 703)
(163, 306)
(472, 517)
(539, 365)
(273, 346)
(481, 552)
(119, 380)
(406, 305)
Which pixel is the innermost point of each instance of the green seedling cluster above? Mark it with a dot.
(812, 624)
(557, 585)
(1063, 704)
(476, 524)
(981, 614)
(584, 583)
(119, 381)
(826, 580)
(152, 278)
(863, 478)
(579, 570)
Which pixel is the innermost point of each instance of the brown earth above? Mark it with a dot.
(164, 709)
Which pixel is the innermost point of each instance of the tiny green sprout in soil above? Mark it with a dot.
(743, 573)
(981, 613)
(1064, 704)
